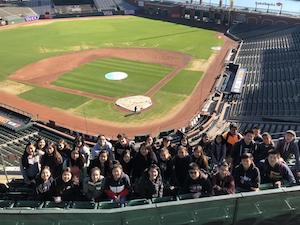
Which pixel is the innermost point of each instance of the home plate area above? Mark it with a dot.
(134, 103)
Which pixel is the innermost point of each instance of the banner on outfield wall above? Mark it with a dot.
(31, 18)
(129, 12)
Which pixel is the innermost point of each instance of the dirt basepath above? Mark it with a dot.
(44, 72)
(177, 119)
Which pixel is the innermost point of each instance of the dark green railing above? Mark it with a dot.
(276, 206)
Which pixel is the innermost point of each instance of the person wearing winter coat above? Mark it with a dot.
(93, 185)
(150, 185)
(30, 164)
(117, 186)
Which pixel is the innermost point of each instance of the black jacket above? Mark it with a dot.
(54, 165)
(140, 164)
(148, 189)
(239, 149)
(261, 152)
(248, 179)
(67, 191)
(105, 169)
(280, 172)
(181, 169)
(167, 171)
(202, 186)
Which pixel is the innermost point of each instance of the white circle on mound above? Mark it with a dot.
(134, 103)
(116, 76)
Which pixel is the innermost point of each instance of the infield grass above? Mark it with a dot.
(165, 100)
(90, 77)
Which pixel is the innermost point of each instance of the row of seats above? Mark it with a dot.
(12, 144)
(29, 204)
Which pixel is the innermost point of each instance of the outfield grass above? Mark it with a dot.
(173, 93)
(53, 98)
(90, 77)
(26, 45)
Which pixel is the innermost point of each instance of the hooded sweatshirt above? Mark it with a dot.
(280, 172)
(201, 186)
(246, 179)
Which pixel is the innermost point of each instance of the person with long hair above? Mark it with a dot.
(44, 184)
(102, 162)
(218, 150)
(181, 164)
(52, 159)
(200, 158)
(76, 163)
(150, 185)
(64, 149)
(41, 146)
(127, 162)
(30, 164)
(143, 159)
(79, 143)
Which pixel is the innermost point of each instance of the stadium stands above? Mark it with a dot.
(270, 91)
(16, 14)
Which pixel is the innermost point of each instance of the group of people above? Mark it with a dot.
(123, 170)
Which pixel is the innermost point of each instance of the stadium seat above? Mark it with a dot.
(109, 205)
(27, 205)
(6, 204)
(163, 199)
(137, 202)
(54, 205)
(84, 205)
(186, 196)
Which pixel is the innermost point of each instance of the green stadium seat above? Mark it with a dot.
(109, 205)
(54, 205)
(84, 205)
(163, 199)
(136, 202)
(27, 205)
(266, 186)
(186, 196)
(4, 204)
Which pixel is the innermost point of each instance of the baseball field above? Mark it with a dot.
(62, 64)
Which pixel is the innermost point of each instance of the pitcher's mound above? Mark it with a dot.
(134, 103)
